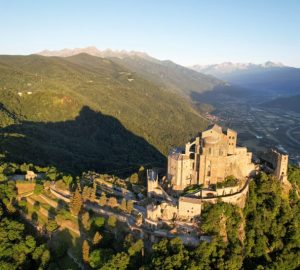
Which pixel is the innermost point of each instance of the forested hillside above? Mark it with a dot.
(263, 235)
(165, 73)
(79, 116)
(180, 79)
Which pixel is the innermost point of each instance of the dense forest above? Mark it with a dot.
(263, 235)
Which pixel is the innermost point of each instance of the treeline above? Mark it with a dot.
(19, 249)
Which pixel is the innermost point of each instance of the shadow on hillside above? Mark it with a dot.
(92, 141)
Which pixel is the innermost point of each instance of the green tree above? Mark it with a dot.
(2, 177)
(120, 261)
(137, 247)
(24, 167)
(99, 221)
(52, 173)
(99, 257)
(112, 221)
(68, 179)
(169, 255)
(51, 226)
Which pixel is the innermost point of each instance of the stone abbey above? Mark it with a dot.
(210, 168)
(208, 159)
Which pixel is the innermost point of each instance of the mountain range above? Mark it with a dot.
(84, 112)
(270, 79)
(93, 51)
(167, 74)
(229, 67)
(290, 103)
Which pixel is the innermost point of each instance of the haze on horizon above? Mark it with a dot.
(187, 32)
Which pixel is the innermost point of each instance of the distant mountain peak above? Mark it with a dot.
(228, 67)
(273, 64)
(92, 50)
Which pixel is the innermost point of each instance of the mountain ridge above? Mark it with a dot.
(165, 73)
(92, 50)
(228, 67)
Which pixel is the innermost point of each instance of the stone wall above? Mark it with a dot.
(227, 190)
(238, 199)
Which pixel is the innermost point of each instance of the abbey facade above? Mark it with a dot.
(209, 159)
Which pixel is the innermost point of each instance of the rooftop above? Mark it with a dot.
(190, 200)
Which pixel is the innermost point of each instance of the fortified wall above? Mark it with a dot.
(188, 208)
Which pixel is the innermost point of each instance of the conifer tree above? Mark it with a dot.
(129, 206)
(103, 199)
(93, 193)
(112, 202)
(85, 251)
(97, 238)
(123, 205)
(76, 203)
(85, 193)
(86, 221)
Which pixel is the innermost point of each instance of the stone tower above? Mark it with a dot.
(152, 182)
(281, 168)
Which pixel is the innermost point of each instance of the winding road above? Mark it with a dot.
(290, 136)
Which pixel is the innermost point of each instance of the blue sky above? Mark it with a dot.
(187, 31)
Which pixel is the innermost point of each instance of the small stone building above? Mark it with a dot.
(30, 175)
(188, 208)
